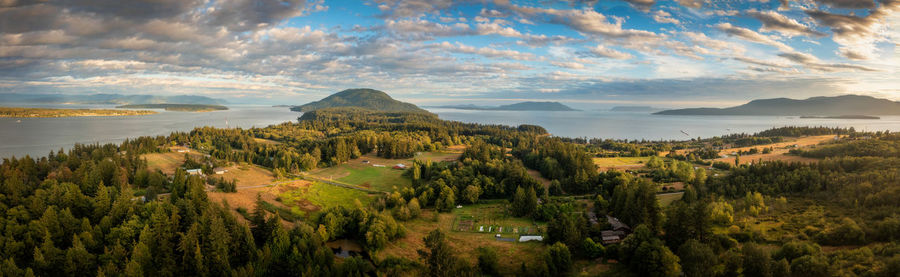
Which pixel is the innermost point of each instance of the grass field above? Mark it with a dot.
(494, 219)
(246, 198)
(620, 163)
(169, 161)
(512, 254)
(358, 173)
(246, 175)
(667, 198)
(317, 196)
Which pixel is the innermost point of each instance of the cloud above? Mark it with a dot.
(664, 17)
(585, 21)
(849, 4)
(814, 63)
(602, 51)
(643, 5)
(857, 34)
(692, 3)
(773, 21)
(750, 35)
(411, 8)
(485, 51)
(245, 15)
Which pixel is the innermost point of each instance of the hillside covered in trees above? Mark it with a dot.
(100, 210)
(371, 99)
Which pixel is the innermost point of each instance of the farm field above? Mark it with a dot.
(170, 161)
(246, 175)
(316, 196)
(363, 171)
(667, 198)
(492, 219)
(512, 254)
(620, 163)
(246, 198)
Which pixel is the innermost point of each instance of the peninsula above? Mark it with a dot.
(48, 112)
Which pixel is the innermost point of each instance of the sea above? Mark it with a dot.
(38, 136)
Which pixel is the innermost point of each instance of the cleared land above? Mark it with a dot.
(316, 196)
(667, 198)
(511, 254)
(46, 112)
(246, 198)
(372, 172)
(621, 163)
(169, 161)
(779, 151)
(247, 175)
(494, 219)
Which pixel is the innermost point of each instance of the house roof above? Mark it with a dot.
(616, 224)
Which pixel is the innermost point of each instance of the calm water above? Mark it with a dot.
(618, 125)
(38, 136)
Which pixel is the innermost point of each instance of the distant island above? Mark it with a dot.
(843, 117)
(107, 99)
(521, 106)
(365, 98)
(46, 112)
(177, 107)
(816, 106)
(633, 109)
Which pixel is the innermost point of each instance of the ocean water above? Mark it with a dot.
(627, 125)
(39, 136)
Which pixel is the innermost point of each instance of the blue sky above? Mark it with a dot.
(584, 53)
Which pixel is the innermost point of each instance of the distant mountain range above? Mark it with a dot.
(522, 106)
(101, 98)
(816, 106)
(363, 98)
(176, 107)
(634, 109)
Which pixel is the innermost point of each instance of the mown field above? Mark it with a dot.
(620, 163)
(372, 172)
(316, 196)
(169, 161)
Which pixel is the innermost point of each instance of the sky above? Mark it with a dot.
(584, 53)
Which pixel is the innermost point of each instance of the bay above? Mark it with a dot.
(38, 136)
(625, 125)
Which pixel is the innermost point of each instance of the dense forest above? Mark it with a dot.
(99, 210)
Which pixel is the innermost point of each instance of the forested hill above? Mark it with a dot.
(521, 106)
(815, 106)
(362, 98)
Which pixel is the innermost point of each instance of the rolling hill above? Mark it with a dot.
(362, 98)
(815, 106)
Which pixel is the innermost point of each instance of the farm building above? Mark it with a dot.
(610, 237)
(400, 166)
(617, 234)
(220, 171)
(196, 171)
(530, 238)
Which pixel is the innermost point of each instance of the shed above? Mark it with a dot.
(195, 171)
(220, 171)
(617, 225)
(400, 166)
(530, 238)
